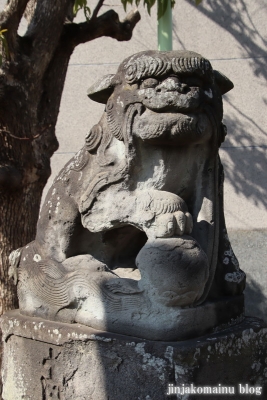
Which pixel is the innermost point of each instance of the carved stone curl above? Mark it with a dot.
(131, 237)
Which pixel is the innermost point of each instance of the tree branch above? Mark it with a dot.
(108, 24)
(97, 8)
(45, 31)
(10, 19)
(29, 11)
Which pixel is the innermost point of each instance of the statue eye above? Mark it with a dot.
(149, 83)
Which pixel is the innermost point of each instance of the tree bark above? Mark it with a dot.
(32, 78)
(18, 227)
(31, 85)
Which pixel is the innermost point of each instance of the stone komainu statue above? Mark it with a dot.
(131, 237)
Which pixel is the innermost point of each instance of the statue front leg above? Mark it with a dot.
(158, 213)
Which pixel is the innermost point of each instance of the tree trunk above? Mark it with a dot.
(22, 181)
(18, 217)
(31, 83)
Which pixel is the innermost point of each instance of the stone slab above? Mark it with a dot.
(44, 359)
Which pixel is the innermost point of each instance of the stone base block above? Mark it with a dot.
(50, 360)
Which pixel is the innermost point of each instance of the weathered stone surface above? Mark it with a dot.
(244, 153)
(132, 234)
(52, 360)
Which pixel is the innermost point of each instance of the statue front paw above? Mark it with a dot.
(162, 214)
(170, 224)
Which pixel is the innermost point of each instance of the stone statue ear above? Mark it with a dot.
(224, 84)
(102, 89)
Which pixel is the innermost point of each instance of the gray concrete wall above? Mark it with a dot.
(233, 35)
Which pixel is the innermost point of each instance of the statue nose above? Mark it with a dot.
(171, 86)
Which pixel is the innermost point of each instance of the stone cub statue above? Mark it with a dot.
(131, 237)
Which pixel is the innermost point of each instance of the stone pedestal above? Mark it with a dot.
(51, 360)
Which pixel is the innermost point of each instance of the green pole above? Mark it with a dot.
(165, 27)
